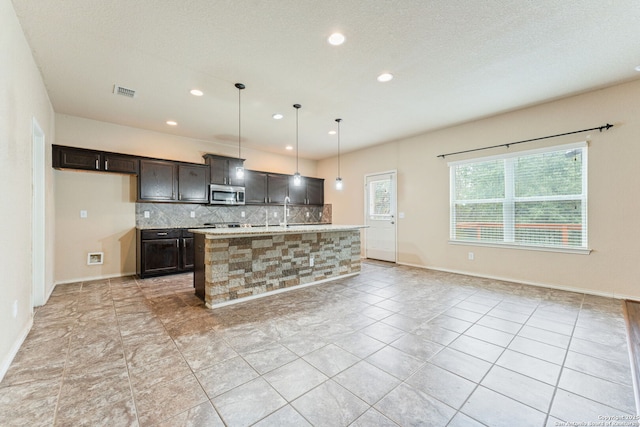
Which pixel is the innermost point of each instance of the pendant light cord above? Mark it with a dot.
(338, 120)
(240, 86)
(297, 107)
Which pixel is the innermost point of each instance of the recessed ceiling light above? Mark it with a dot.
(277, 116)
(385, 77)
(336, 39)
(332, 132)
(196, 92)
(288, 147)
(172, 123)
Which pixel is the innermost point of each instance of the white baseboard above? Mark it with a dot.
(525, 282)
(6, 362)
(89, 279)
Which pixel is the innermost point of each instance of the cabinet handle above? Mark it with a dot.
(162, 234)
(106, 165)
(179, 196)
(97, 164)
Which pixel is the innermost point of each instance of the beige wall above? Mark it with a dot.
(85, 133)
(613, 267)
(109, 199)
(109, 227)
(23, 98)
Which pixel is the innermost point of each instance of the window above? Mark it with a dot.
(380, 199)
(532, 198)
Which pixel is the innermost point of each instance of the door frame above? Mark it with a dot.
(38, 217)
(394, 185)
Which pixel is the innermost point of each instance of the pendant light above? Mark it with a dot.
(239, 169)
(297, 179)
(338, 179)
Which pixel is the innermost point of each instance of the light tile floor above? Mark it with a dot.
(392, 346)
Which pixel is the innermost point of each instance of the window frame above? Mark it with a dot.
(509, 200)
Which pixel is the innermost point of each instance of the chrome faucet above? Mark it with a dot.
(284, 222)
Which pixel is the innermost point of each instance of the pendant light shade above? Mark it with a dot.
(338, 179)
(239, 169)
(297, 179)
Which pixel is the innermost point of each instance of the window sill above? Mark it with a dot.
(522, 247)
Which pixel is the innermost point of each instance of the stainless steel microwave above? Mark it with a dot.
(225, 195)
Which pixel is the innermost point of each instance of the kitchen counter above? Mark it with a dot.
(221, 233)
(237, 264)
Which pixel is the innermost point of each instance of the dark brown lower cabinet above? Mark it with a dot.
(164, 251)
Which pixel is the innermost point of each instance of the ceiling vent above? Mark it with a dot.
(119, 90)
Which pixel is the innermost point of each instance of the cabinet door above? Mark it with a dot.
(193, 182)
(315, 191)
(255, 187)
(219, 170)
(158, 181)
(233, 178)
(277, 188)
(298, 193)
(187, 253)
(120, 163)
(160, 256)
(76, 158)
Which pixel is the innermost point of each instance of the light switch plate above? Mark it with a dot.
(83, 214)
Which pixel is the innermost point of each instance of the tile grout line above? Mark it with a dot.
(459, 410)
(566, 354)
(66, 363)
(124, 355)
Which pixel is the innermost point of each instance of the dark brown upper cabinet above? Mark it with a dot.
(92, 160)
(223, 169)
(166, 181)
(265, 188)
(309, 192)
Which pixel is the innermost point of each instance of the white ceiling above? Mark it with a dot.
(453, 61)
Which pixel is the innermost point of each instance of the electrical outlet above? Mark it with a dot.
(471, 256)
(320, 214)
(147, 214)
(192, 214)
(311, 261)
(242, 214)
(307, 214)
(275, 214)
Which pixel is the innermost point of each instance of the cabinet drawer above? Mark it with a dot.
(161, 234)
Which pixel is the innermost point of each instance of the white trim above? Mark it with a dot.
(277, 291)
(6, 363)
(394, 179)
(38, 221)
(88, 279)
(578, 251)
(524, 282)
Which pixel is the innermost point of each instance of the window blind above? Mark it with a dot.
(530, 198)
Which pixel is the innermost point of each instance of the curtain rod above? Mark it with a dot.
(600, 128)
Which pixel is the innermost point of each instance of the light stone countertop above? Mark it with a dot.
(223, 233)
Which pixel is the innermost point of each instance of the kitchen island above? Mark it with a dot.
(235, 264)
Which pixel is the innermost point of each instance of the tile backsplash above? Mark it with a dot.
(170, 215)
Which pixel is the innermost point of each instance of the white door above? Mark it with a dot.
(380, 214)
